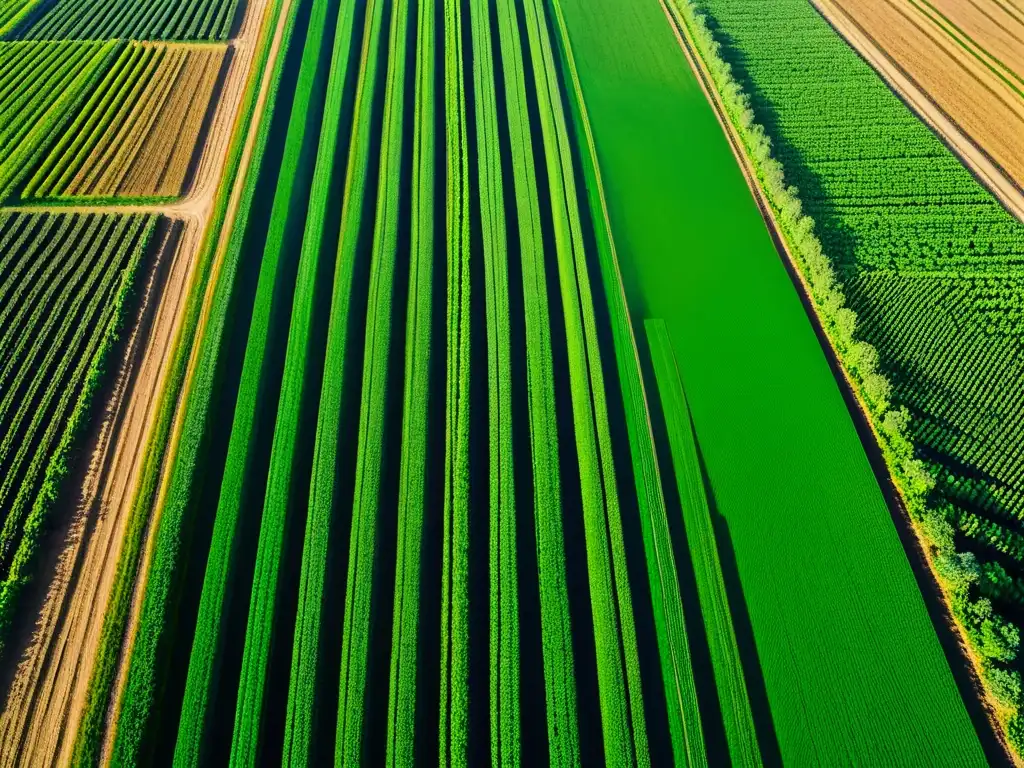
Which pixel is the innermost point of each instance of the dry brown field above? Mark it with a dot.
(144, 125)
(965, 57)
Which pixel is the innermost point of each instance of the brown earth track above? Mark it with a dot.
(51, 665)
(255, 20)
(973, 106)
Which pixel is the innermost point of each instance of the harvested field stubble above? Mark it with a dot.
(971, 67)
(136, 136)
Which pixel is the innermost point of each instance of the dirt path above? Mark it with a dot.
(990, 173)
(39, 722)
(54, 661)
(229, 219)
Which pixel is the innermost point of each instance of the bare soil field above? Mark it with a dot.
(47, 671)
(959, 64)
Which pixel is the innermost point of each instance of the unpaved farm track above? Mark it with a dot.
(45, 698)
(48, 666)
(977, 148)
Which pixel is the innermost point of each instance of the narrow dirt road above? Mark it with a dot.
(54, 662)
(229, 219)
(990, 173)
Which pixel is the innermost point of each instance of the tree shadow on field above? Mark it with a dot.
(712, 724)
(764, 725)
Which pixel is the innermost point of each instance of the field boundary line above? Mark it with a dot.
(911, 539)
(223, 238)
(978, 161)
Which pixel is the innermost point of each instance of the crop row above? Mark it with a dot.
(13, 12)
(365, 552)
(146, 674)
(136, 135)
(43, 83)
(122, 20)
(937, 326)
(67, 281)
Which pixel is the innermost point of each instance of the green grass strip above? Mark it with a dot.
(454, 663)
(416, 403)
(680, 692)
(504, 598)
(737, 715)
(556, 628)
(618, 666)
(357, 627)
(272, 288)
(305, 646)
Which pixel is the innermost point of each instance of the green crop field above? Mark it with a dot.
(786, 467)
(367, 498)
(523, 382)
(65, 284)
(148, 20)
(136, 134)
(43, 84)
(930, 263)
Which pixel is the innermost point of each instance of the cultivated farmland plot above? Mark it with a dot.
(490, 427)
(136, 135)
(67, 281)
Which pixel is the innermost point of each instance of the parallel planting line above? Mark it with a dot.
(556, 629)
(257, 376)
(412, 481)
(454, 698)
(357, 633)
(680, 693)
(737, 715)
(504, 606)
(621, 700)
(305, 664)
(141, 685)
